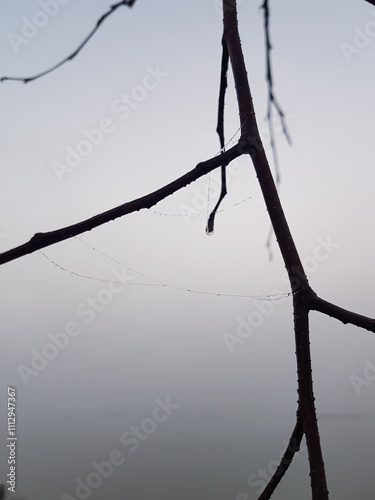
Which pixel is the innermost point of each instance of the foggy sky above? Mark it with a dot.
(136, 109)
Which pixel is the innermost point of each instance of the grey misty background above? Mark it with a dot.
(235, 410)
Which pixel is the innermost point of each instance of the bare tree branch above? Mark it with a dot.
(306, 400)
(343, 315)
(272, 102)
(28, 79)
(292, 449)
(42, 240)
(220, 130)
(271, 95)
(223, 88)
(293, 264)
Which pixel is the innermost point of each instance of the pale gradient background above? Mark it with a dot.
(235, 410)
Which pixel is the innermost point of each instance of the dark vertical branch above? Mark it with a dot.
(220, 130)
(293, 264)
(223, 88)
(249, 128)
(306, 405)
(252, 145)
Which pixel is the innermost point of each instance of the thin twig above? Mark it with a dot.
(292, 449)
(223, 88)
(220, 130)
(271, 95)
(272, 102)
(28, 79)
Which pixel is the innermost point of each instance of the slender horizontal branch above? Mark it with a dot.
(343, 315)
(42, 240)
(28, 79)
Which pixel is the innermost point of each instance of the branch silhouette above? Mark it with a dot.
(42, 240)
(304, 298)
(272, 103)
(341, 314)
(28, 79)
(220, 131)
(292, 448)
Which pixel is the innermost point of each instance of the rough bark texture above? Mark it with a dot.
(293, 264)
